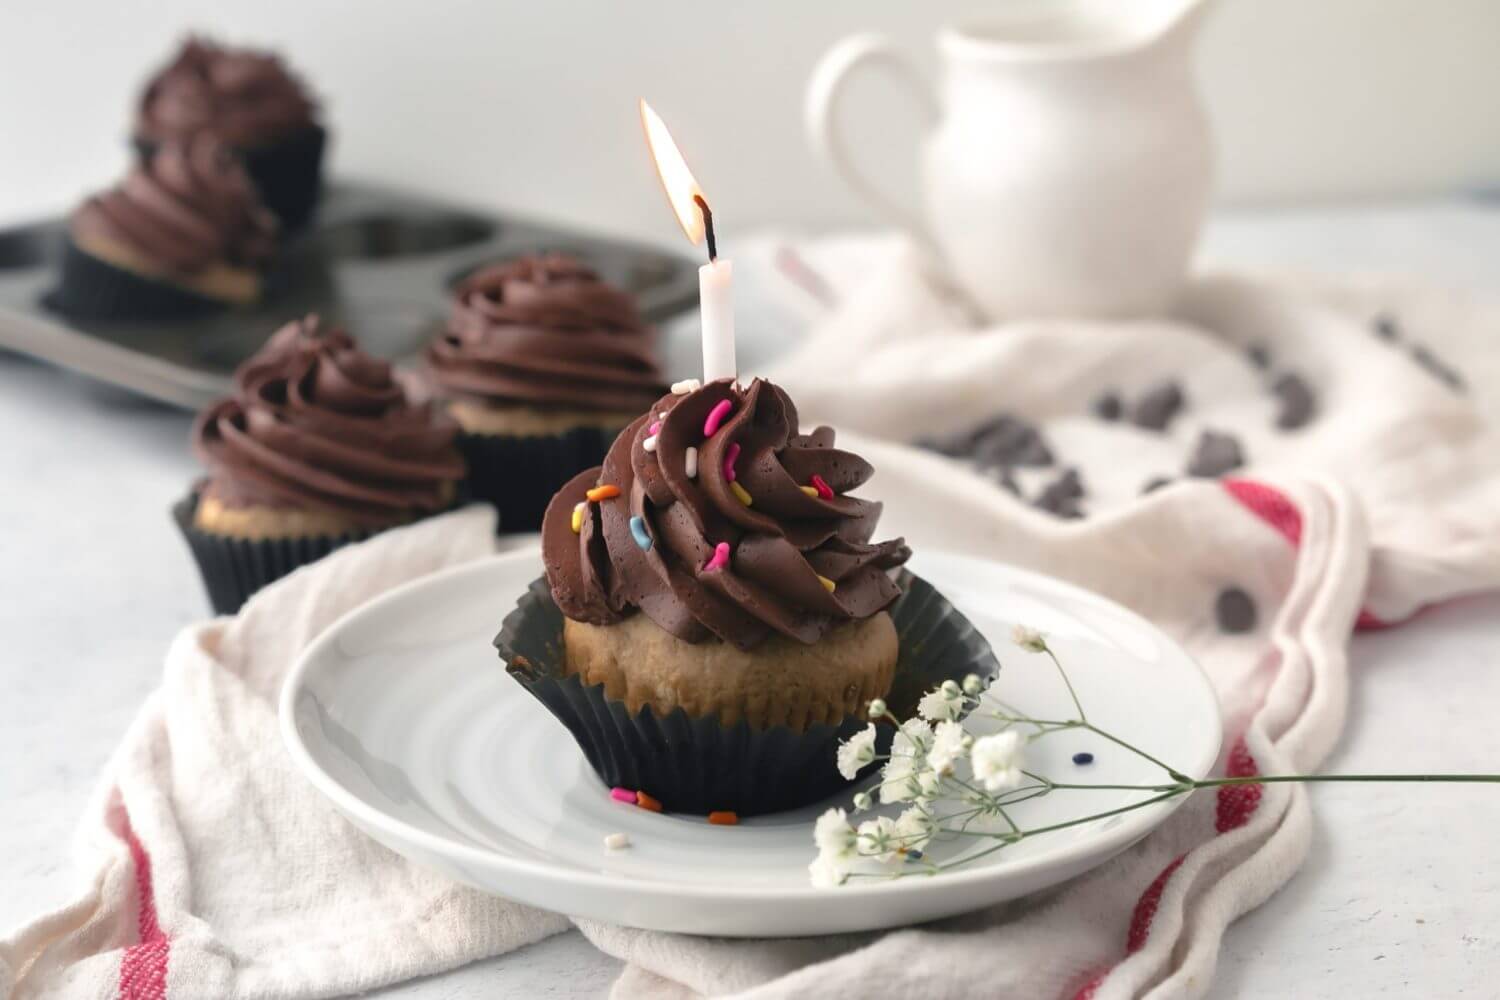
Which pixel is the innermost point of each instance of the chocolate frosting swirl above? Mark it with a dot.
(782, 546)
(546, 330)
(190, 207)
(245, 96)
(315, 422)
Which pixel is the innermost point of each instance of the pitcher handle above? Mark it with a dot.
(825, 94)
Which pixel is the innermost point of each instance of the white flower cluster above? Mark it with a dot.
(923, 767)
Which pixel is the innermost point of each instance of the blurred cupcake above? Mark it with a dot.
(250, 100)
(183, 234)
(541, 364)
(318, 446)
(724, 616)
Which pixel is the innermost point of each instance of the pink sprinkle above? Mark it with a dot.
(622, 795)
(731, 455)
(716, 417)
(654, 429)
(825, 492)
(720, 558)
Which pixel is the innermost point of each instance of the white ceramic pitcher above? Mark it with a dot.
(1071, 163)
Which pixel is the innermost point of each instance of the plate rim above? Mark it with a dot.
(1136, 824)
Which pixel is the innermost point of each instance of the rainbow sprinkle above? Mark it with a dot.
(716, 417)
(686, 386)
(690, 460)
(647, 802)
(654, 429)
(824, 490)
(828, 584)
(741, 494)
(606, 492)
(622, 795)
(719, 559)
(731, 455)
(578, 517)
(650, 443)
(810, 491)
(638, 532)
(723, 817)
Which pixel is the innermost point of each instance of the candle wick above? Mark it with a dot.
(708, 227)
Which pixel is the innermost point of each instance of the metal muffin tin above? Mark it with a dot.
(380, 261)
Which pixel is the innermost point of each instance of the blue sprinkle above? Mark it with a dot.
(638, 532)
(1083, 758)
(914, 855)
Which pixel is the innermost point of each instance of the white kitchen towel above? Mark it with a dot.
(213, 870)
(1405, 380)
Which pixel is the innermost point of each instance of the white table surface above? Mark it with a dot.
(1398, 898)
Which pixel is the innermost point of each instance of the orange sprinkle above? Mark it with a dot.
(606, 492)
(723, 818)
(647, 802)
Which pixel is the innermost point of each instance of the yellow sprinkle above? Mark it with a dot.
(578, 518)
(605, 492)
(828, 584)
(740, 494)
(808, 490)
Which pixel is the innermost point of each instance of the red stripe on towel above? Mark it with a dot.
(143, 967)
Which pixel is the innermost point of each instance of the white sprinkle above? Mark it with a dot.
(616, 842)
(686, 386)
(650, 443)
(580, 506)
(690, 458)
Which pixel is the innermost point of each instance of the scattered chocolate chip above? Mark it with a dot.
(1259, 355)
(1435, 367)
(1061, 496)
(1297, 403)
(1008, 440)
(1083, 757)
(1155, 409)
(1006, 477)
(1215, 454)
(1155, 483)
(1108, 407)
(1385, 327)
(1235, 611)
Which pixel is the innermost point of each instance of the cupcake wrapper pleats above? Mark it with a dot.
(90, 288)
(698, 765)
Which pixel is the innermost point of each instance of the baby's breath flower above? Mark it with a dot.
(914, 738)
(862, 801)
(877, 839)
(951, 689)
(973, 685)
(857, 751)
(1028, 639)
(833, 835)
(898, 779)
(937, 705)
(827, 874)
(877, 708)
(929, 785)
(947, 746)
(996, 760)
(915, 828)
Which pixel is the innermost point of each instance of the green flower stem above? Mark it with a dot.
(1077, 705)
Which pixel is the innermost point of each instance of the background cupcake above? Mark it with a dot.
(184, 233)
(724, 614)
(319, 446)
(250, 100)
(541, 363)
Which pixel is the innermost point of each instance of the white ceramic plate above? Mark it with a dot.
(403, 715)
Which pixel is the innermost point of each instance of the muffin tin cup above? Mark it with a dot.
(697, 765)
(288, 173)
(234, 568)
(519, 475)
(90, 288)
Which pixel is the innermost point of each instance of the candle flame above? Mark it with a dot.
(676, 179)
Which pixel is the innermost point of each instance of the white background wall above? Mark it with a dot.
(532, 105)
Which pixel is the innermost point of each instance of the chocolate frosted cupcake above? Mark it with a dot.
(318, 447)
(254, 105)
(541, 364)
(182, 234)
(724, 615)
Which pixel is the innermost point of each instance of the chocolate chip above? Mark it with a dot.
(1083, 757)
(1437, 368)
(1006, 477)
(1155, 409)
(1259, 355)
(1008, 440)
(1235, 611)
(1297, 403)
(1214, 455)
(1155, 483)
(1385, 327)
(1108, 407)
(1061, 496)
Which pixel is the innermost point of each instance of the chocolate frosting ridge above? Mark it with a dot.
(780, 544)
(546, 330)
(245, 96)
(190, 207)
(314, 422)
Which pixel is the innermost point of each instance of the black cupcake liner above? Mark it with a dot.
(697, 765)
(288, 174)
(91, 288)
(519, 475)
(235, 568)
